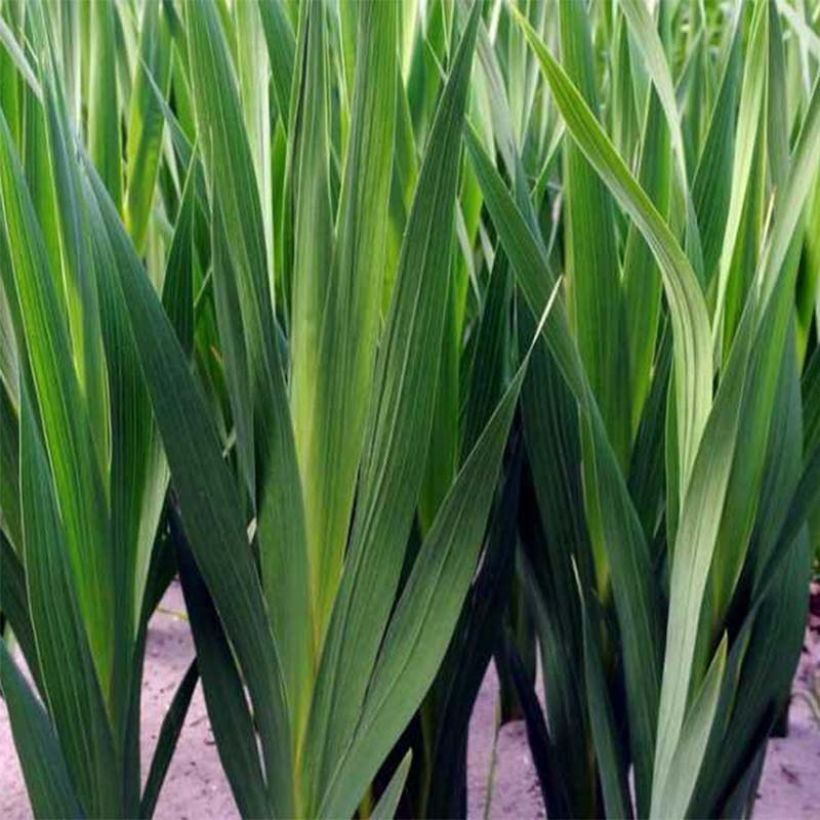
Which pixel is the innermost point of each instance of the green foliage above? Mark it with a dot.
(384, 326)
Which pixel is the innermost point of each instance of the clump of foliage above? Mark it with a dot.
(408, 335)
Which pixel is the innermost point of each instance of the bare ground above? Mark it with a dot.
(196, 788)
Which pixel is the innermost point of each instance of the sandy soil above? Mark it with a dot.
(196, 788)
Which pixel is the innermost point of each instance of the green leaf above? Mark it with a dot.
(168, 737)
(146, 120)
(10, 468)
(442, 454)
(397, 436)
(602, 721)
(281, 51)
(228, 711)
(346, 351)
(103, 109)
(18, 58)
(313, 236)
(641, 279)
(622, 536)
(44, 767)
(488, 366)
(591, 268)
(471, 648)
(278, 497)
(63, 414)
(719, 505)
(15, 606)
(385, 809)
(646, 39)
(711, 189)
(671, 798)
(72, 687)
(253, 74)
(313, 226)
(749, 115)
(79, 284)
(209, 502)
(543, 750)
(690, 321)
(178, 281)
(426, 613)
(554, 532)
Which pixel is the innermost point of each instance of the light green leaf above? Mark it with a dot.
(145, 122)
(104, 110)
(350, 316)
(397, 438)
(592, 271)
(690, 321)
(278, 497)
(671, 798)
(63, 414)
(72, 687)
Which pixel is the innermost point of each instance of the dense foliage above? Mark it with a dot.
(409, 335)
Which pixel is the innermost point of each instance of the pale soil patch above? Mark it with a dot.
(196, 787)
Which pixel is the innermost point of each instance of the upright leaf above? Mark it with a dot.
(64, 416)
(104, 109)
(279, 509)
(350, 315)
(44, 768)
(397, 435)
(593, 277)
(210, 506)
(145, 121)
(72, 687)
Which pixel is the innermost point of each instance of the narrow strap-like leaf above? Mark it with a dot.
(748, 120)
(277, 491)
(647, 40)
(146, 121)
(385, 809)
(538, 737)
(397, 439)
(69, 677)
(592, 267)
(690, 320)
(168, 737)
(209, 502)
(611, 762)
(719, 503)
(228, 711)
(671, 799)
(635, 594)
(10, 468)
(104, 110)
(711, 188)
(15, 606)
(64, 416)
(426, 613)
(281, 51)
(471, 648)
(44, 768)
(350, 310)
